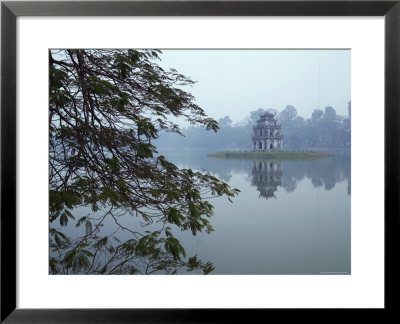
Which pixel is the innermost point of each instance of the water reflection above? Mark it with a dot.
(291, 217)
(307, 230)
(325, 173)
(267, 177)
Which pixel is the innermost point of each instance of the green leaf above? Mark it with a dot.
(80, 221)
(68, 213)
(100, 243)
(173, 246)
(69, 258)
(63, 219)
(88, 227)
(53, 265)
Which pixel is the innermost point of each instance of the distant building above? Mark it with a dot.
(267, 134)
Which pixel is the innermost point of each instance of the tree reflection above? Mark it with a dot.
(269, 175)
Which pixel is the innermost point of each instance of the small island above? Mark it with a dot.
(282, 155)
(267, 143)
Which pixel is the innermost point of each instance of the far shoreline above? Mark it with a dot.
(289, 155)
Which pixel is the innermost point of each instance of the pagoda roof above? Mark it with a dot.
(266, 115)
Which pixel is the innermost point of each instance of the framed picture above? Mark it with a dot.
(281, 78)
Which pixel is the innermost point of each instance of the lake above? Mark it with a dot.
(291, 217)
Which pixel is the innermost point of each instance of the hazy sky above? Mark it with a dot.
(235, 82)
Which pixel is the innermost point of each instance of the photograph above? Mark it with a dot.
(213, 159)
(199, 161)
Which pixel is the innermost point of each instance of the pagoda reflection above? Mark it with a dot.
(267, 177)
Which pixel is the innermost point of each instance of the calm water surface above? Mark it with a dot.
(291, 217)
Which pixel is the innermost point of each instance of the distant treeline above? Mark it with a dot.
(324, 129)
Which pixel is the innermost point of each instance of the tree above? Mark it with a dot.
(225, 122)
(317, 115)
(330, 112)
(288, 114)
(106, 107)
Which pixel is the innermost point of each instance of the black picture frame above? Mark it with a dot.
(10, 10)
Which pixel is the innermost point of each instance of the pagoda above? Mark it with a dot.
(267, 134)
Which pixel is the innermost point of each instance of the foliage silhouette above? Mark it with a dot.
(106, 108)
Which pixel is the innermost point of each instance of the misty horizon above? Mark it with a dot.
(234, 82)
